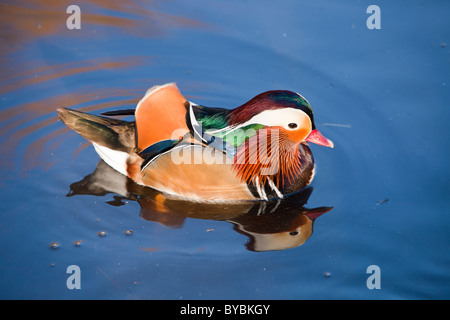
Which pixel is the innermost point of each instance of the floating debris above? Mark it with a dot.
(77, 243)
(340, 125)
(54, 245)
(327, 274)
(101, 233)
(210, 229)
(382, 201)
(128, 232)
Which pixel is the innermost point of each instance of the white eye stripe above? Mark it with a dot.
(280, 118)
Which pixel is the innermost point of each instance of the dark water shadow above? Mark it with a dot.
(273, 225)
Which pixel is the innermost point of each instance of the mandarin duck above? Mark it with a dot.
(257, 151)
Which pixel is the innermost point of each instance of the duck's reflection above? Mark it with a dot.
(273, 225)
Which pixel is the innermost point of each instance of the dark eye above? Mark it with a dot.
(293, 233)
(292, 125)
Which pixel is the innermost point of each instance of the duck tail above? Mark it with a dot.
(113, 140)
(114, 134)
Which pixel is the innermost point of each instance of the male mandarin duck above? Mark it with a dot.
(257, 151)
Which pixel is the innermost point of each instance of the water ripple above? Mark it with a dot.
(30, 83)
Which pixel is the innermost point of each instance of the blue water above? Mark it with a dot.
(381, 95)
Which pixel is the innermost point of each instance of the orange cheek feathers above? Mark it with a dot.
(298, 135)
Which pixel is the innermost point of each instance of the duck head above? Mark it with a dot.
(283, 110)
(285, 119)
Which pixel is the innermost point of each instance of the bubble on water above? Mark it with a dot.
(77, 243)
(101, 233)
(54, 245)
